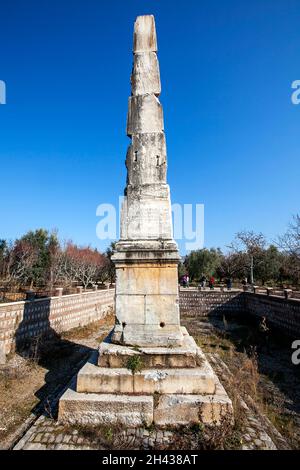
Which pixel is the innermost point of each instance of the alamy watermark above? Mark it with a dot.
(2, 92)
(295, 97)
(188, 223)
(296, 353)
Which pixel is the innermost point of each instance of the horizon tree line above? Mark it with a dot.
(250, 257)
(40, 260)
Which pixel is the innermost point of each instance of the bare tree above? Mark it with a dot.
(290, 244)
(233, 265)
(81, 264)
(21, 256)
(251, 243)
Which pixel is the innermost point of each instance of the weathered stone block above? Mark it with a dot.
(115, 355)
(146, 161)
(91, 408)
(145, 115)
(94, 379)
(148, 335)
(155, 279)
(157, 310)
(147, 308)
(150, 217)
(179, 410)
(144, 36)
(145, 78)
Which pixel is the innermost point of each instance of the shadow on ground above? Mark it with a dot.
(60, 357)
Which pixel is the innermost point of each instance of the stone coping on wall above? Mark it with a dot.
(56, 297)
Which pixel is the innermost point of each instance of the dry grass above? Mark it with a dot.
(18, 385)
(82, 332)
(249, 353)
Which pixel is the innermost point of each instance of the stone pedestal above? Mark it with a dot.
(147, 304)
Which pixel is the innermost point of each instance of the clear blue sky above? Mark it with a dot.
(232, 131)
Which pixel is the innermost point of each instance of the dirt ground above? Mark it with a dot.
(31, 377)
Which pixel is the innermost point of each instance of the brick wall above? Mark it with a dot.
(23, 320)
(282, 313)
(203, 303)
(279, 312)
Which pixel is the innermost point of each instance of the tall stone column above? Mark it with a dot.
(148, 354)
(146, 257)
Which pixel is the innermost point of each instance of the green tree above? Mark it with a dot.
(44, 245)
(203, 262)
(3, 252)
(111, 267)
(268, 267)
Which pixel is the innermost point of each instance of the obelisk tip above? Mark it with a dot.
(144, 36)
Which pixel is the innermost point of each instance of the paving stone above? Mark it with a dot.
(245, 447)
(151, 442)
(63, 447)
(34, 446)
(38, 437)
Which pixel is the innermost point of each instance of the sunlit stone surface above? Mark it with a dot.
(146, 257)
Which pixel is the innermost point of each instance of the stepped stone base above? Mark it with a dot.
(96, 379)
(176, 386)
(187, 355)
(146, 335)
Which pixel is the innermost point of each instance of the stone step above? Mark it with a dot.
(185, 356)
(143, 410)
(108, 409)
(94, 379)
(180, 410)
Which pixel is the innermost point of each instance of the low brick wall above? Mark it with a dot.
(194, 302)
(20, 321)
(283, 314)
(24, 320)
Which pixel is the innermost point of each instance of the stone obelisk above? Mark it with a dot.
(148, 354)
(146, 257)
